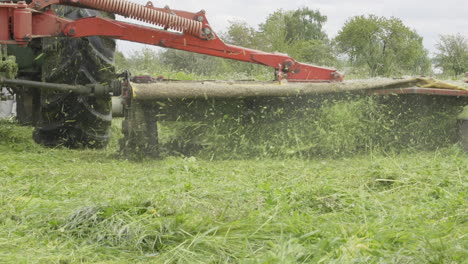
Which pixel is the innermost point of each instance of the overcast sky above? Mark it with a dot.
(429, 18)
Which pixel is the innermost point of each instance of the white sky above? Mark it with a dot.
(429, 18)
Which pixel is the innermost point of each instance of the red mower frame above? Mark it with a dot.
(20, 23)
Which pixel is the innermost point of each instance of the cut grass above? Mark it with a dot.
(64, 206)
(322, 126)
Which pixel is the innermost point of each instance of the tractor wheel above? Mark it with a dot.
(68, 119)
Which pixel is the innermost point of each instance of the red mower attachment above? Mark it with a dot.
(20, 23)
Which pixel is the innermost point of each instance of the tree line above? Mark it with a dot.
(366, 46)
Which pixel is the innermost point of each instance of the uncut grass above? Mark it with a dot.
(64, 206)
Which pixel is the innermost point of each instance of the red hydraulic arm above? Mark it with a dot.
(20, 23)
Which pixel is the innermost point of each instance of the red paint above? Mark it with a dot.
(4, 24)
(22, 24)
(37, 24)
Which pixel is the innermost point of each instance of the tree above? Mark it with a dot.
(304, 24)
(284, 28)
(313, 51)
(385, 46)
(121, 62)
(241, 34)
(190, 62)
(452, 54)
(298, 33)
(145, 61)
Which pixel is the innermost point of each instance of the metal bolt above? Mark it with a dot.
(22, 4)
(206, 31)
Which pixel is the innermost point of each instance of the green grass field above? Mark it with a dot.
(66, 206)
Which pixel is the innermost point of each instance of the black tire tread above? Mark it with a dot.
(68, 119)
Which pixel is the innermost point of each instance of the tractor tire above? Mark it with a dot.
(68, 119)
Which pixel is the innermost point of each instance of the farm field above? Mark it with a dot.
(67, 206)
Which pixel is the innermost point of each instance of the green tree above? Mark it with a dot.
(190, 62)
(121, 62)
(298, 33)
(304, 24)
(241, 34)
(384, 45)
(273, 32)
(452, 54)
(144, 61)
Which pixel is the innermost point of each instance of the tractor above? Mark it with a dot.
(57, 60)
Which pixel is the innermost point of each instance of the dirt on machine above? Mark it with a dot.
(61, 47)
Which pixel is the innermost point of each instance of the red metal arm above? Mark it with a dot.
(20, 23)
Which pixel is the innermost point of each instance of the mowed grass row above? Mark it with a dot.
(65, 206)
